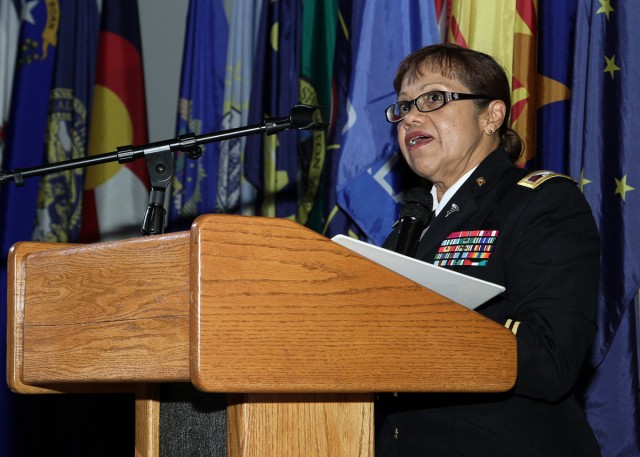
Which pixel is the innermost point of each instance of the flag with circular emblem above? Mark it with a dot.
(115, 195)
(59, 207)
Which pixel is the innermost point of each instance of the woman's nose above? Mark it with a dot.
(414, 115)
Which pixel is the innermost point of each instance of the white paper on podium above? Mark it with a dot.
(460, 288)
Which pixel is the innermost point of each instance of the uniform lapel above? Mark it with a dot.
(461, 206)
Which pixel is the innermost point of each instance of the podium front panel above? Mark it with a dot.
(279, 308)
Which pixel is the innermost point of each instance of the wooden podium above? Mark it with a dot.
(299, 331)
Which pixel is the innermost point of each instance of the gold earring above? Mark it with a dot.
(489, 132)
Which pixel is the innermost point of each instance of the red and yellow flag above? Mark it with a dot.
(506, 30)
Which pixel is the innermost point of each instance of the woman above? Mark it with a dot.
(532, 233)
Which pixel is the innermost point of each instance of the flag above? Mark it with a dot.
(243, 28)
(336, 220)
(271, 162)
(28, 118)
(555, 56)
(116, 196)
(604, 158)
(506, 30)
(9, 28)
(194, 187)
(59, 210)
(37, 45)
(319, 23)
(382, 32)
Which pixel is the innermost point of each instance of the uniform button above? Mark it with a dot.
(396, 432)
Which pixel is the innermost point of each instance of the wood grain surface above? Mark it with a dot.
(320, 425)
(279, 308)
(108, 312)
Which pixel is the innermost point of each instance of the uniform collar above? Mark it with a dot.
(486, 175)
(463, 203)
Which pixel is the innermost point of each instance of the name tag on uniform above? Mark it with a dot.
(466, 248)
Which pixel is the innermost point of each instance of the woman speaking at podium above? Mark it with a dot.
(532, 233)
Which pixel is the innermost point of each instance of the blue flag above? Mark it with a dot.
(243, 30)
(271, 162)
(604, 158)
(24, 148)
(337, 221)
(200, 109)
(59, 210)
(557, 22)
(370, 170)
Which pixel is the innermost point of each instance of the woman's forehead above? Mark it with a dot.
(426, 79)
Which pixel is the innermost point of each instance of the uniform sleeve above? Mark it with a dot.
(552, 271)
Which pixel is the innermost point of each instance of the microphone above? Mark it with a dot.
(301, 117)
(415, 215)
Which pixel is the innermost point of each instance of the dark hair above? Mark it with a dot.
(479, 72)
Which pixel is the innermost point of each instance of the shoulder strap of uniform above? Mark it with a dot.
(537, 178)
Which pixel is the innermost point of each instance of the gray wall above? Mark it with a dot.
(162, 24)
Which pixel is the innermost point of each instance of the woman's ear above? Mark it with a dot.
(493, 116)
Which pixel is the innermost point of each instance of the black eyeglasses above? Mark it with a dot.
(430, 101)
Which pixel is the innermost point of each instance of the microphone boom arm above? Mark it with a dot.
(159, 157)
(303, 117)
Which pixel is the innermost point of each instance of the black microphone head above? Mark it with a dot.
(415, 216)
(417, 204)
(306, 117)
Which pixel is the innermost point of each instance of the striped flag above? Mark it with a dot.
(116, 196)
(371, 168)
(604, 158)
(9, 29)
(59, 211)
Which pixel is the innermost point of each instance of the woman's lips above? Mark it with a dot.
(416, 139)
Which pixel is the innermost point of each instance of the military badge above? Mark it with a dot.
(537, 178)
(466, 248)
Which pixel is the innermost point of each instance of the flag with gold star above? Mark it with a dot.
(604, 158)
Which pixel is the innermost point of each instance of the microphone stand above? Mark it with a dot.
(159, 157)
